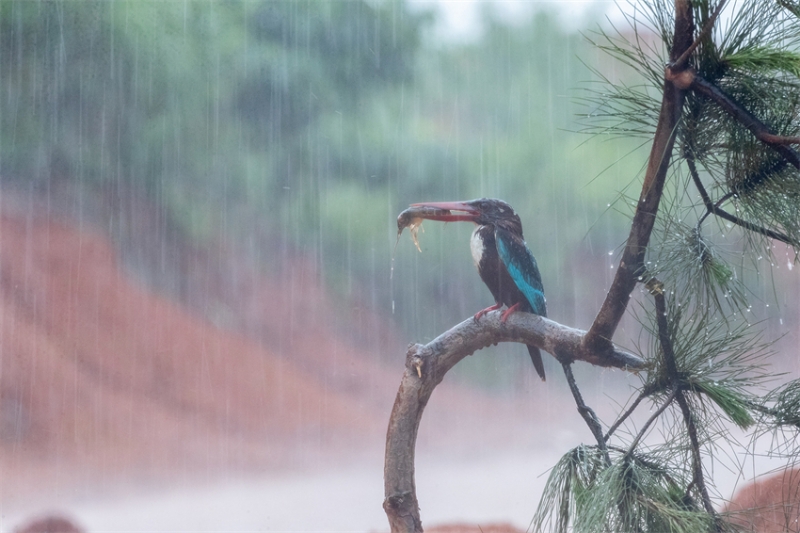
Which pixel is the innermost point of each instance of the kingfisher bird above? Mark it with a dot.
(504, 262)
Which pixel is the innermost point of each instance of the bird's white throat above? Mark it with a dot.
(476, 245)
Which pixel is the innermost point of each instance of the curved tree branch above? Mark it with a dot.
(426, 366)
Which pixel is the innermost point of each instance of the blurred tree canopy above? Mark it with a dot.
(188, 99)
(306, 127)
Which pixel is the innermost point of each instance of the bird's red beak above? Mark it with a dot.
(468, 213)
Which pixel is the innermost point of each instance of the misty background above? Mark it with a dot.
(202, 288)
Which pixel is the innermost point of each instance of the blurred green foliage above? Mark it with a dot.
(308, 126)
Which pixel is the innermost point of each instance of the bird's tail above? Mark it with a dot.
(536, 357)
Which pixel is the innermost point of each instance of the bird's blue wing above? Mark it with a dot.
(522, 267)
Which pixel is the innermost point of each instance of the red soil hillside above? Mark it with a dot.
(769, 504)
(101, 376)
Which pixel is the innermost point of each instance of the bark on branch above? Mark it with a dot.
(631, 266)
(426, 366)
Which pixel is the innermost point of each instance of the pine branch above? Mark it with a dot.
(698, 478)
(426, 366)
(690, 80)
(778, 139)
(631, 266)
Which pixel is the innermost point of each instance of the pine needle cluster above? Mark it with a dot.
(695, 265)
(632, 493)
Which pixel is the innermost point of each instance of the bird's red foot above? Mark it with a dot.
(508, 312)
(482, 312)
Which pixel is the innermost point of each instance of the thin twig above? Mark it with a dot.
(715, 209)
(586, 412)
(700, 188)
(697, 463)
(725, 197)
(651, 420)
(626, 414)
(689, 156)
(657, 290)
(680, 63)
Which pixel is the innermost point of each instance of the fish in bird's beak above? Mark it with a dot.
(412, 217)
